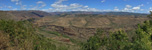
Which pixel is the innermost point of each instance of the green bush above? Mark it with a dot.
(94, 42)
(22, 35)
(118, 41)
(142, 40)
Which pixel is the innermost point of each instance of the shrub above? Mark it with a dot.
(22, 36)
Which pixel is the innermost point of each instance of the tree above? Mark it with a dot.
(94, 42)
(142, 39)
(115, 41)
(118, 41)
(21, 35)
(150, 16)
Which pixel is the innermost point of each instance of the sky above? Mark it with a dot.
(137, 6)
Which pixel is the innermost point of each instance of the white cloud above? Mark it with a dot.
(141, 5)
(116, 9)
(33, 8)
(75, 5)
(92, 9)
(14, 0)
(103, 1)
(19, 3)
(59, 1)
(85, 6)
(53, 10)
(58, 6)
(126, 9)
(136, 8)
(107, 10)
(23, 7)
(15, 9)
(42, 4)
(10, 7)
(150, 8)
(128, 6)
(141, 9)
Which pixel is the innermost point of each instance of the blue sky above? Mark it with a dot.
(137, 6)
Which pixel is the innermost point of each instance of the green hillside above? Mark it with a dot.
(22, 35)
(75, 33)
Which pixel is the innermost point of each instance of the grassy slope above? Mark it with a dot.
(91, 22)
(85, 27)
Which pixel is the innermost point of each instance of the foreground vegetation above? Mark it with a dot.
(141, 39)
(22, 35)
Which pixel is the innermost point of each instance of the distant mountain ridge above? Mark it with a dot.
(43, 13)
(26, 14)
(102, 13)
(18, 15)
